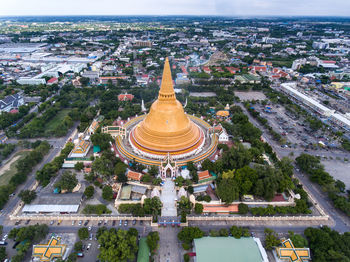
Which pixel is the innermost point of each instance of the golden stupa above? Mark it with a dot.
(166, 128)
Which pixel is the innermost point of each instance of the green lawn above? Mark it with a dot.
(55, 122)
(6, 176)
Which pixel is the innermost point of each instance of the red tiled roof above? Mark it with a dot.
(203, 175)
(134, 175)
(52, 80)
(124, 97)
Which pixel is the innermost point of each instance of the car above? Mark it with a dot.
(126, 223)
(99, 223)
(105, 222)
(27, 222)
(120, 222)
(16, 244)
(80, 254)
(51, 223)
(73, 222)
(86, 222)
(4, 237)
(88, 246)
(13, 194)
(59, 222)
(113, 224)
(141, 222)
(80, 222)
(134, 222)
(83, 247)
(99, 245)
(91, 236)
(17, 222)
(89, 228)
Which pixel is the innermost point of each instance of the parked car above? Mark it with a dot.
(27, 222)
(88, 246)
(120, 222)
(141, 222)
(113, 224)
(80, 254)
(73, 222)
(126, 223)
(90, 236)
(86, 222)
(99, 223)
(4, 237)
(80, 222)
(51, 223)
(89, 228)
(134, 222)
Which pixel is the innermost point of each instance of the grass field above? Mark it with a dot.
(9, 169)
(55, 122)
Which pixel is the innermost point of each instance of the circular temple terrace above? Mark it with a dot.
(166, 132)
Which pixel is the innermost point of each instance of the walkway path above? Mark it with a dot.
(168, 199)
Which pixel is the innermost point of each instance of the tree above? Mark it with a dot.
(184, 205)
(78, 246)
(271, 239)
(307, 163)
(83, 233)
(3, 254)
(153, 171)
(79, 166)
(102, 139)
(119, 170)
(152, 241)
(152, 206)
(198, 208)
(107, 193)
(68, 181)
(187, 234)
(27, 196)
(117, 245)
(298, 240)
(228, 190)
(89, 191)
(243, 209)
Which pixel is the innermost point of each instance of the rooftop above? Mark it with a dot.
(227, 249)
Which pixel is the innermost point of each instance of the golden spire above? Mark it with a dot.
(166, 91)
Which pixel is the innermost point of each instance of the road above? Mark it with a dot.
(57, 145)
(342, 223)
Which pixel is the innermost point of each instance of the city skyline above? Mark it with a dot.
(180, 7)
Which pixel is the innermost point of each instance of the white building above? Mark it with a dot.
(31, 81)
(290, 89)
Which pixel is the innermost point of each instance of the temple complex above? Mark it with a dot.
(166, 136)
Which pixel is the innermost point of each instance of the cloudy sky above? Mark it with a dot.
(176, 7)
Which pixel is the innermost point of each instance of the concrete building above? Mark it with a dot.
(290, 89)
(11, 102)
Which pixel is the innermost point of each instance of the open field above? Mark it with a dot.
(55, 122)
(9, 169)
(250, 95)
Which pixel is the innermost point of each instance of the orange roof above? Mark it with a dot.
(203, 175)
(222, 113)
(134, 175)
(220, 208)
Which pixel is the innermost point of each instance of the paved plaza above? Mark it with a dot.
(168, 199)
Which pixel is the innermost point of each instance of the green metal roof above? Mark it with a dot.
(143, 254)
(227, 249)
(126, 192)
